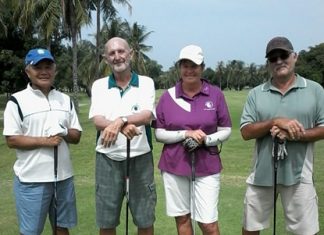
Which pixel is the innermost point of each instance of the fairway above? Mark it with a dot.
(236, 159)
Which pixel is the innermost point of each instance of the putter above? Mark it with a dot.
(55, 190)
(276, 141)
(193, 199)
(127, 181)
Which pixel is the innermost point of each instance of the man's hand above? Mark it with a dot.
(56, 129)
(52, 141)
(110, 133)
(289, 129)
(130, 131)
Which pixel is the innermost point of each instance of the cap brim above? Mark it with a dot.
(43, 58)
(278, 48)
(196, 61)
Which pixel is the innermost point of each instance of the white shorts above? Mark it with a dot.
(299, 202)
(179, 199)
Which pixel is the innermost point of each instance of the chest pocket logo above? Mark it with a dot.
(209, 105)
(135, 108)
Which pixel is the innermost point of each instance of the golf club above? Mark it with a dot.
(191, 146)
(127, 181)
(193, 199)
(55, 190)
(276, 157)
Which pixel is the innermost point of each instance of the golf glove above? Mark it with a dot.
(190, 144)
(58, 129)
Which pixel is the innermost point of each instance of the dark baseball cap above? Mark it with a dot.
(279, 43)
(35, 55)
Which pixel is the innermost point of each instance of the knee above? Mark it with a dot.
(63, 231)
(209, 228)
(183, 219)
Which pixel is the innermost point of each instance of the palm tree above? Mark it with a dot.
(109, 12)
(219, 72)
(50, 17)
(3, 27)
(137, 35)
(75, 14)
(114, 28)
(41, 18)
(87, 66)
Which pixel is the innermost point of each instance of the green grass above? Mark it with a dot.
(236, 158)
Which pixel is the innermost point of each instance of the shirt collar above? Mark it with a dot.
(113, 84)
(300, 82)
(37, 91)
(205, 88)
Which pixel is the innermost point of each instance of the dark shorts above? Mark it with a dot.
(111, 187)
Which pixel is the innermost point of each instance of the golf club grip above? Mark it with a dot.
(127, 157)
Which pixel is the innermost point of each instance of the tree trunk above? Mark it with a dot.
(74, 59)
(98, 40)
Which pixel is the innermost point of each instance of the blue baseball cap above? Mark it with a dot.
(35, 55)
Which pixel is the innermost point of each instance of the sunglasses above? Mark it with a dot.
(282, 56)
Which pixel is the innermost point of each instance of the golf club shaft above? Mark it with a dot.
(193, 199)
(55, 189)
(275, 168)
(127, 180)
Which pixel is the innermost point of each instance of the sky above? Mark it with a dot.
(225, 29)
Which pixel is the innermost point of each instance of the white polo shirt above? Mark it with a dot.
(39, 112)
(110, 101)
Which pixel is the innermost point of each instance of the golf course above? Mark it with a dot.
(236, 158)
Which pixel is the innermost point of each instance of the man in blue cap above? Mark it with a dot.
(38, 120)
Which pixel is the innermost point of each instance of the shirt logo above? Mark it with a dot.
(135, 108)
(41, 51)
(209, 105)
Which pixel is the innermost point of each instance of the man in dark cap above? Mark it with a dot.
(287, 108)
(38, 120)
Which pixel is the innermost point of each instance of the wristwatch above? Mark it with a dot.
(125, 120)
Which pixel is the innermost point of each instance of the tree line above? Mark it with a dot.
(56, 25)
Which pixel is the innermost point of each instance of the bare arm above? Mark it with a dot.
(313, 134)
(31, 142)
(255, 130)
(310, 135)
(138, 119)
(111, 129)
(73, 136)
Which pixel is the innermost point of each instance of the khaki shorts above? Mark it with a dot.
(299, 202)
(179, 199)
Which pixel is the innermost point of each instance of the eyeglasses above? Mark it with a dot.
(282, 56)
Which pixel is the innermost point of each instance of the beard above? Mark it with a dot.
(121, 67)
